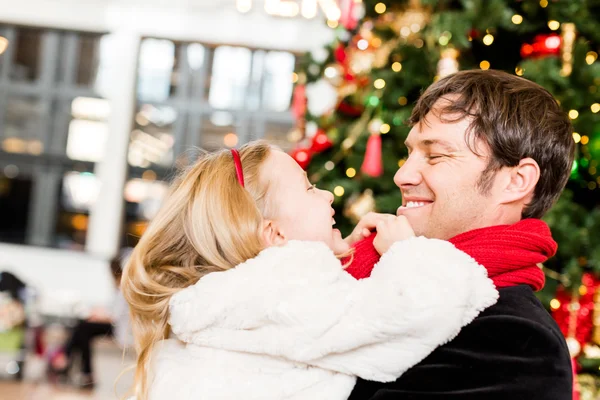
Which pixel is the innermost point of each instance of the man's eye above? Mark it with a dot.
(430, 157)
(312, 187)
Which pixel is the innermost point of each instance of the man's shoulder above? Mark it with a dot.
(518, 306)
(517, 323)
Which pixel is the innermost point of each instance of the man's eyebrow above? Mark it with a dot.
(431, 142)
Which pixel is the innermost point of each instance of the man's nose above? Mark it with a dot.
(409, 173)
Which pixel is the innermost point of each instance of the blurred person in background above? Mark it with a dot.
(101, 322)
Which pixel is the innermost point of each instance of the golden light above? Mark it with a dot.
(385, 128)
(402, 101)
(379, 83)
(484, 65)
(79, 222)
(338, 191)
(583, 290)
(488, 39)
(350, 172)
(294, 77)
(573, 114)
(554, 25)
(555, 304)
(149, 175)
(396, 67)
(14, 145)
(230, 140)
(590, 57)
(401, 163)
(543, 3)
(380, 8)
(332, 24)
(376, 42)
(517, 19)
(585, 139)
(595, 107)
(138, 229)
(519, 71)
(576, 137)
(593, 170)
(592, 185)
(3, 44)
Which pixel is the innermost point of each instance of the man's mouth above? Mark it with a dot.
(413, 204)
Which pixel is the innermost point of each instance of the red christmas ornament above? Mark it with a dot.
(373, 163)
(350, 110)
(320, 142)
(299, 102)
(348, 16)
(302, 157)
(575, 390)
(340, 54)
(543, 45)
(580, 323)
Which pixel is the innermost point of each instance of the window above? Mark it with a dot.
(53, 126)
(192, 95)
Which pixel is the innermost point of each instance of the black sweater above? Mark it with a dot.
(513, 350)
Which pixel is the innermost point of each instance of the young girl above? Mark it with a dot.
(239, 267)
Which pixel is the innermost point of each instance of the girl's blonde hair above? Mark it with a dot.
(208, 223)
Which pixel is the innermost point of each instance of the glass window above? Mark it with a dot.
(278, 85)
(157, 59)
(230, 76)
(53, 127)
(88, 129)
(15, 194)
(24, 130)
(152, 139)
(27, 55)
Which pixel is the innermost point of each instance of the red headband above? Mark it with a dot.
(238, 166)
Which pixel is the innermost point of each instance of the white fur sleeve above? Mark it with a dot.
(418, 297)
(296, 303)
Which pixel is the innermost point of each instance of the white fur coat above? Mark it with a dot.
(292, 324)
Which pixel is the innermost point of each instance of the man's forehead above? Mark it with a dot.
(427, 135)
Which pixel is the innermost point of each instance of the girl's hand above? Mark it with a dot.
(366, 224)
(390, 231)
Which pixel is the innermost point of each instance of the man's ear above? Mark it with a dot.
(272, 234)
(521, 181)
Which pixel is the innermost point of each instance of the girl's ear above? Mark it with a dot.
(272, 234)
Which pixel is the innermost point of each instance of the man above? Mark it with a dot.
(489, 153)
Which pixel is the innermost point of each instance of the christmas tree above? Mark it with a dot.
(353, 99)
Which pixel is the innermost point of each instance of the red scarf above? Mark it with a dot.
(510, 253)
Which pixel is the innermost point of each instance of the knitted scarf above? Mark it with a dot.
(510, 253)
